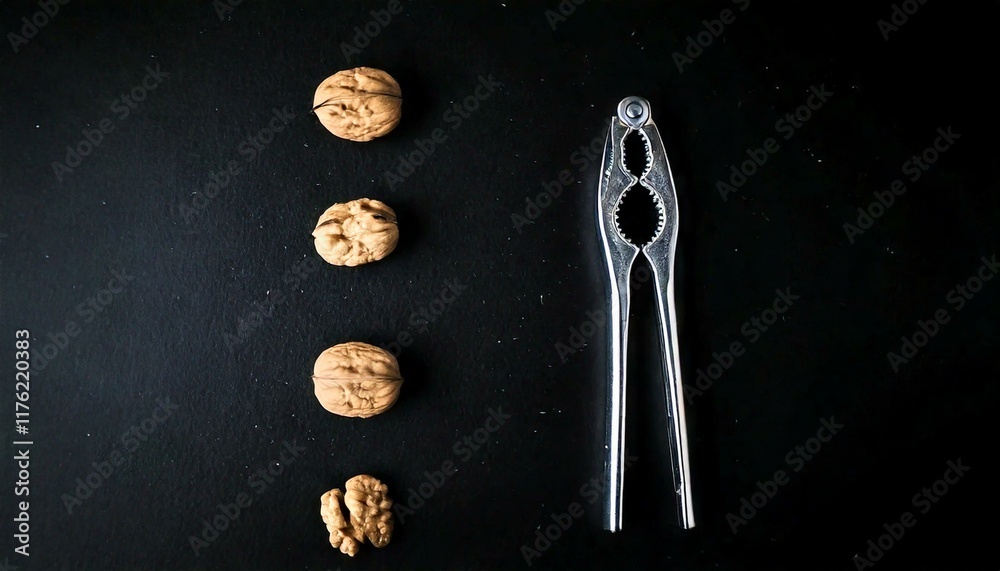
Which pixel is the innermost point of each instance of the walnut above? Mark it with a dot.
(356, 379)
(356, 232)
(371, 509)
(358, 104)
(368, 502)
(342, 535)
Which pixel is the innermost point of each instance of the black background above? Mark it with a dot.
(197, 277)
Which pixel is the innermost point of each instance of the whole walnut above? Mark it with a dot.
(356, 232)
(356, 380)
(368, 502)
(359, 104)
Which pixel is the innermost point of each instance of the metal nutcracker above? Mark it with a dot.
(634, 117)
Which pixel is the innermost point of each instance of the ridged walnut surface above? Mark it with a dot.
(356, 232)
(358, 104)
(367, 500)
(356, 380)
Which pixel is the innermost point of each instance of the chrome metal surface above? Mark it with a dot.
(634, 116)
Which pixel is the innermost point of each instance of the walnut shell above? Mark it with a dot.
(356, 232)
(358, 104)
(367, 500)
(356, 380)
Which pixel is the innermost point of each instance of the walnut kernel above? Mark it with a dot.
(356, 232)
(371, 509)
(368, 502)
(358, 104)
(342, 535)
(356, 380)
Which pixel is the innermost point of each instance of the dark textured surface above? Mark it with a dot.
(227, 310)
